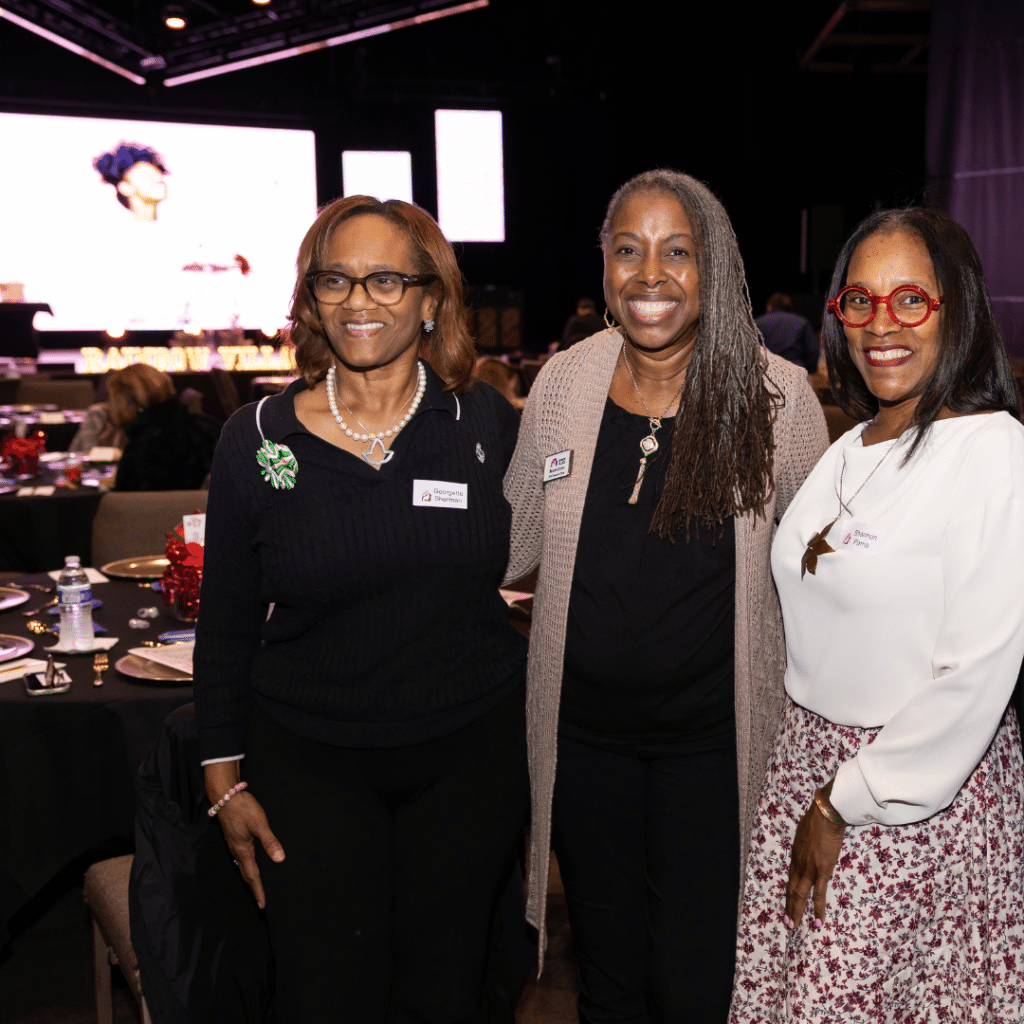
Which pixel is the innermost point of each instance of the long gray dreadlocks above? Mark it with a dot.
(723, 447)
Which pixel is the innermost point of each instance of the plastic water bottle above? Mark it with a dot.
(75, 598)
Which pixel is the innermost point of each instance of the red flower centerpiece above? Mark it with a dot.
(20, 455)
(184, 576)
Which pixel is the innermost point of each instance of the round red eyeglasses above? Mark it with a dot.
(909, 306)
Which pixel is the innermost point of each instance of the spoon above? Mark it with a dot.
(49, 604)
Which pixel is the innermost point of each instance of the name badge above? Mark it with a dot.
(558, 465)
(861, 538)
(440, 494)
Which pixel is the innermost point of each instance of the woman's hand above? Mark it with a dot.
(243, 821)
(816, 847)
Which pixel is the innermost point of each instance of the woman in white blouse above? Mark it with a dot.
(894, 801)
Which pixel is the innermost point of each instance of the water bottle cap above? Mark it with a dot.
(72, 560)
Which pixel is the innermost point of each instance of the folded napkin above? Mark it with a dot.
(95, 576)
(176, 656)
(23, 666)
(100, 643)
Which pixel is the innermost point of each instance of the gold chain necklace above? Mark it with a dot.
(817, 545)
(649, 444)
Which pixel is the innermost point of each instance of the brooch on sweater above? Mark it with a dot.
(278, 465)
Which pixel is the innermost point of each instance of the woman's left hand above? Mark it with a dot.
(816, 847)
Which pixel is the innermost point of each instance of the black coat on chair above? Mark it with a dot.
(204, 954)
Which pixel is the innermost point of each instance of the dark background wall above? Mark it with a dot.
(588, 100)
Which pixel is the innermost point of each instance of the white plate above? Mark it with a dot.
(11, 597)
(14, 647)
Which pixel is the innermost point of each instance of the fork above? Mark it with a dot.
(100, 664)
(33, 586)
(49, 604)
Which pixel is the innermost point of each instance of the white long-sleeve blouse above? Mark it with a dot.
(915, 622)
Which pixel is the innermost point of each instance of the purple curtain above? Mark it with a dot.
(975, 140)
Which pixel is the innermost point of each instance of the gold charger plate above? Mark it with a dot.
(11, 597)
(142, 668)
(14, 646)
(142, 567)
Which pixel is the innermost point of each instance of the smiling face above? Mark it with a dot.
(363, 334)
(651, 283)
(896, 362)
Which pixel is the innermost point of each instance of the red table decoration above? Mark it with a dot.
(20, 455)
(184, 576)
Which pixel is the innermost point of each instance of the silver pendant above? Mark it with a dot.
(649, 444)
(386, 454)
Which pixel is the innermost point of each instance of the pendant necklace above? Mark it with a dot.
(649, 444)
(386, 454)
(817, 545)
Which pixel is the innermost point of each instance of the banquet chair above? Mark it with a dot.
(106, 893)
(129, 524)
(65, 394)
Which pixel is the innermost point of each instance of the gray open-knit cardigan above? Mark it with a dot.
(564, 411)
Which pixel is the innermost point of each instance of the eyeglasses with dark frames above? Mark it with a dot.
(909, 306)
(385, 287)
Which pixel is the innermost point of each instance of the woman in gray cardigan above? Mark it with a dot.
(653, 463)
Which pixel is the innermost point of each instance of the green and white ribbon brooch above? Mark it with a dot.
(277, 463)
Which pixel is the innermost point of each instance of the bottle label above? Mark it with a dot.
(75, 595)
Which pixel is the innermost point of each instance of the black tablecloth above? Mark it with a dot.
(68, 762)
(36, 533)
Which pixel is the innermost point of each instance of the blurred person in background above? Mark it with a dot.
(167, 448)
(788, 334)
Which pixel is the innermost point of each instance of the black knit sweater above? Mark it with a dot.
(387, 627)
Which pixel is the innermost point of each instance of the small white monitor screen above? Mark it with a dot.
(378, 173)
(470, 175)
(147, 225)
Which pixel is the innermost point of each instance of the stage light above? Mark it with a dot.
(268, 332)
(174, 17)
(381, 174)
(470, 175)
(192, 330)
(261, 3)
(115, 332)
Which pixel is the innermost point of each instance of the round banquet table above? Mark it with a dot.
(68, 761)
(37, 531)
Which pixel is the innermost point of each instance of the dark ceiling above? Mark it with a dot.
(590, 98)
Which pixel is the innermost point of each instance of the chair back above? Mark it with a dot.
(129, 524)
(65, 394)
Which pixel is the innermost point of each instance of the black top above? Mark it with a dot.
(791, 336)
(649, 655)
(387, 626)
(167, 449)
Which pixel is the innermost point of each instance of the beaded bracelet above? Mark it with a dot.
(236, 788)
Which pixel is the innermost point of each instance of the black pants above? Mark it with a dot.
(648, 848)
(395, 859)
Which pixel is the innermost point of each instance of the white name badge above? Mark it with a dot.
(440, 494)
(558, 465)
(860, 538)
(195, 528)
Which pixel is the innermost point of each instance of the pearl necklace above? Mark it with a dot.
(376, 438)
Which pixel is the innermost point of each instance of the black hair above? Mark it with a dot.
(973, 373)
(113, 166)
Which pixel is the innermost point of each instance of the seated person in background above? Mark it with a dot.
(788, 334)
(167, 448)
(582, 324)
(96, 429)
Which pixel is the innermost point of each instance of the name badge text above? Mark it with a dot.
(860, 538)
(440, 494)
(558, 465)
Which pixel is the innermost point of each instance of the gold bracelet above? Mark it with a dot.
(822, 802)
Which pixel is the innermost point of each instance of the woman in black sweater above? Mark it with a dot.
(354, 663)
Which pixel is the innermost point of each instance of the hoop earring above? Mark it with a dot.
(609, 320)
(428, 325)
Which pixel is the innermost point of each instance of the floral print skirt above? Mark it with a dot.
(923, 922)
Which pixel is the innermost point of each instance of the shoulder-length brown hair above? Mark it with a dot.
(451, 349)
(133, 389)
(722, 457)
